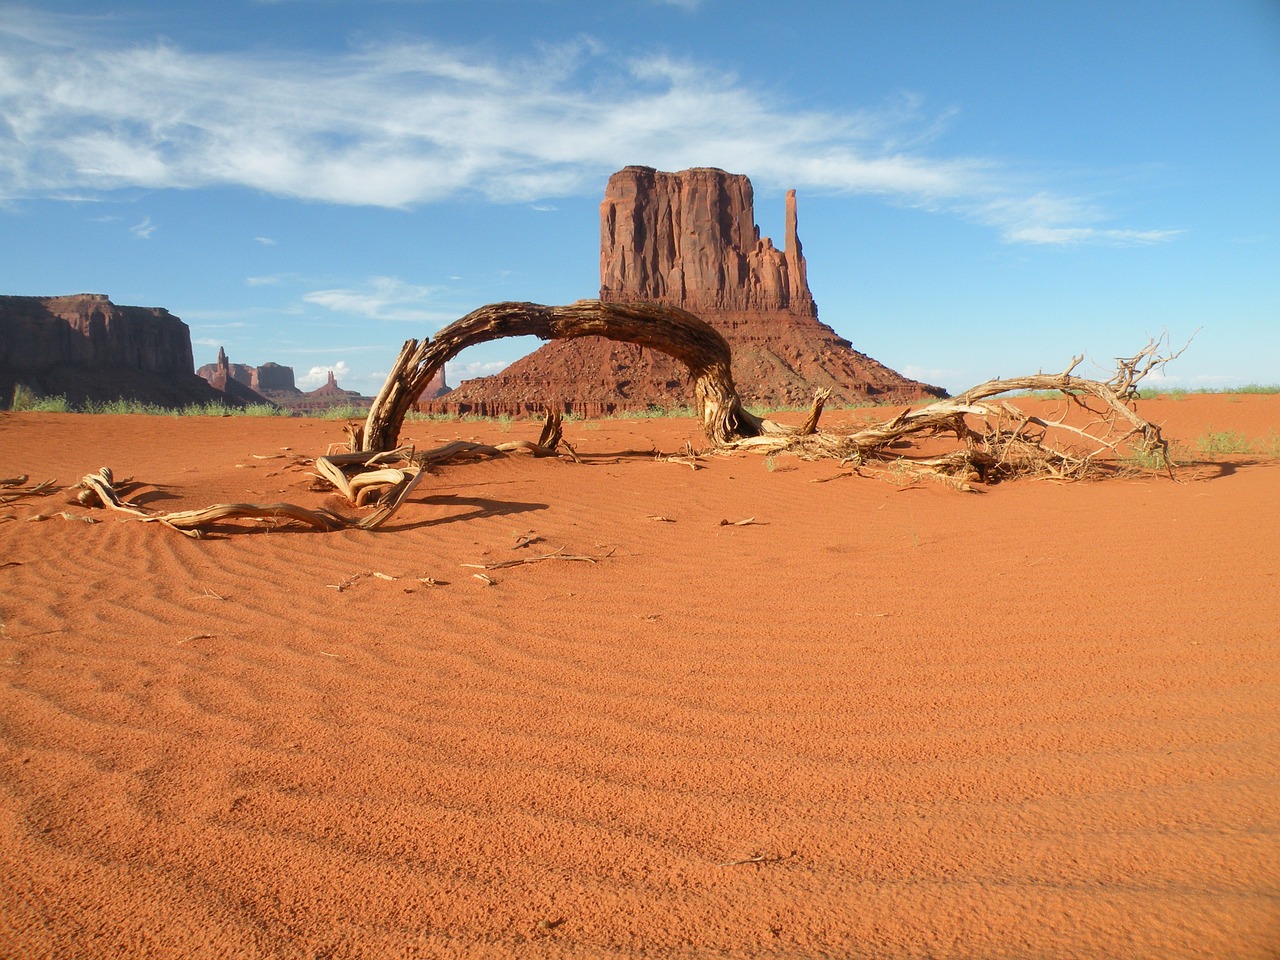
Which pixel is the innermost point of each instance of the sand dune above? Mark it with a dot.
(1036, 720)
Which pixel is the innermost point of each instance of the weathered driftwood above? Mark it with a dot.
(98, 489)
(998, 440)
(14, 488)
(671, 330)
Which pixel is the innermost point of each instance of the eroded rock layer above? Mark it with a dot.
(690, 240)
(85, 347)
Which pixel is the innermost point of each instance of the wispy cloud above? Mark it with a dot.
(143, 229)
(395, 125)
(382, 298)
(1043, 218)
(265, 241)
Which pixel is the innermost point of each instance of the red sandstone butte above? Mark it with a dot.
(690, 240)
(84, 347)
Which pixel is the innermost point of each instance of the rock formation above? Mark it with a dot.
(438, 387)
(275, 383)
(690, 240)
(271, 380)
(222, 377)
(328, 396)
(85, 347)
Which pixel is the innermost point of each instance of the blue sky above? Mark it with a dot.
(985, 188)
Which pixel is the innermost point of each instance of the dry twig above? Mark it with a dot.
(556, 555)
(15, 491)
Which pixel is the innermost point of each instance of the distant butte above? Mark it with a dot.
(690, 240)
(85, 348)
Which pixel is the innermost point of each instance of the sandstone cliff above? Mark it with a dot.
(85, 347)
(690, 240)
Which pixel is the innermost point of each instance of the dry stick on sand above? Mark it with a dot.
(1007, 442)
(385, 478)
(13, 489)
(98, 489)
(555, 555)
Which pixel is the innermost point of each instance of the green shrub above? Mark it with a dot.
(26, 400)
(1222, 441)
(343, 411)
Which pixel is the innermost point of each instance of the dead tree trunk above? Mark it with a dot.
(669, 329)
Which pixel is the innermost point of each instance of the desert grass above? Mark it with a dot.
(1215, 442)
(342, 411)
(1207, 447)
(26, 400)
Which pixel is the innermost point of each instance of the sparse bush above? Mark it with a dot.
(1155, 459)
(1222, 441)
(27, 400)
(343, 411)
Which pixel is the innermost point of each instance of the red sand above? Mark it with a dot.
(1037, 720)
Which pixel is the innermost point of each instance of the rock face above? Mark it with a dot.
(229, 379)
(271, 380)
(328, 396)
(85, 347)
(437, 387)
(275, 383)
(690, 240)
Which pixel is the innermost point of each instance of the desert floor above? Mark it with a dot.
(1035, 720)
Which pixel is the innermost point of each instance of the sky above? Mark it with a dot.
(985, 187)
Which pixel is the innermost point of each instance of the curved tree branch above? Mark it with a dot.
(671, 330)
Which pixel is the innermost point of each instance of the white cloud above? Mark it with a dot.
(265, 241)
(455, 373)
(932, 375)
(143, 229)
(319, 376)
(395, 125)
(383, 298)
(1047, 219)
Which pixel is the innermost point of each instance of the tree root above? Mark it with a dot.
(98, 489)
(1002, 441)
(383, 479)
